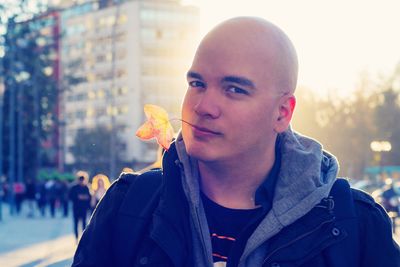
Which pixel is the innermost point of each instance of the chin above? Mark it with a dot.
(199, 152)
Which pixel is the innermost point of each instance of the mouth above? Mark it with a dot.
(205, 130)
(201, 130)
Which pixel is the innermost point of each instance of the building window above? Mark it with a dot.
(91, 95)
(90, 112)
(123, 18)
(80, 114)
(100, 94)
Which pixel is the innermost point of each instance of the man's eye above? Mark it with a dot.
(237, 90)
(196, 84)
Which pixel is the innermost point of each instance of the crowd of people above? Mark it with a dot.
(57, 197)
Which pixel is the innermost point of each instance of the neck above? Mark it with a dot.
(233, 184)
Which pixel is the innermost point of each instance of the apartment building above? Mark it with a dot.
(115, 59)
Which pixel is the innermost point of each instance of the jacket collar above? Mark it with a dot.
(171, 229)
(329, 222)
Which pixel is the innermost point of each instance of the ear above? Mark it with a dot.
(286, 109)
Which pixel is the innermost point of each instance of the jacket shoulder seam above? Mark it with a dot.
(361, 196)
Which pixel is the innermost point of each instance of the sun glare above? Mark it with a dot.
(336, 40)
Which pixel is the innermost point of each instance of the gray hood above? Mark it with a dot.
(306, 176)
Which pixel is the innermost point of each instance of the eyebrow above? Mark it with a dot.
(233, 79)
(239, 80)
(194, 75)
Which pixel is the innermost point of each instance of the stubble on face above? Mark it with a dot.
(251, 48)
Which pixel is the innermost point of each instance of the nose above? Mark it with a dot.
(208, 104)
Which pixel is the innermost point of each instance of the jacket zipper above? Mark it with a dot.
(295, 240)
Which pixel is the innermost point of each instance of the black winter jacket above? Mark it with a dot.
(143, 221)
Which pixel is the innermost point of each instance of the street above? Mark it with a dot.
(38, 241)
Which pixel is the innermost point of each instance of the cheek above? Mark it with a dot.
(189, 103)
(259, 120)
(185, 105)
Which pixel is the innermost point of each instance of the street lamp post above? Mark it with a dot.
(379, 147)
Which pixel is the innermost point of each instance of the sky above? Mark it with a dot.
(336, 41)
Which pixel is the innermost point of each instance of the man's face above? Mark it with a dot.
(81, 180)
(231, 107)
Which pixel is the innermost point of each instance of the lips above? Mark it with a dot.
(201, 131)
(205, 130)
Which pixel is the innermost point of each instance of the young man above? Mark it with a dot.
(238, 186)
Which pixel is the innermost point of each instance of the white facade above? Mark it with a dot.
(145, 62)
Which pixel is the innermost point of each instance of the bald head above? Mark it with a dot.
(254, 38)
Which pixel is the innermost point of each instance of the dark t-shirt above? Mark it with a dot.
(226, 227)
(231, 228)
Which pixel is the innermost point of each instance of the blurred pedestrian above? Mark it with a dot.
(391, 196)
(100, 184)
(390, 199)
(30, 195)
(19, 192)
(63, 197)
(51, 194)
(80, 196)
(41, 198)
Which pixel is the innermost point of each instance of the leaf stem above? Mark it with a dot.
(178, 119)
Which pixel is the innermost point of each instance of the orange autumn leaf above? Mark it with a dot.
(157, 126)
